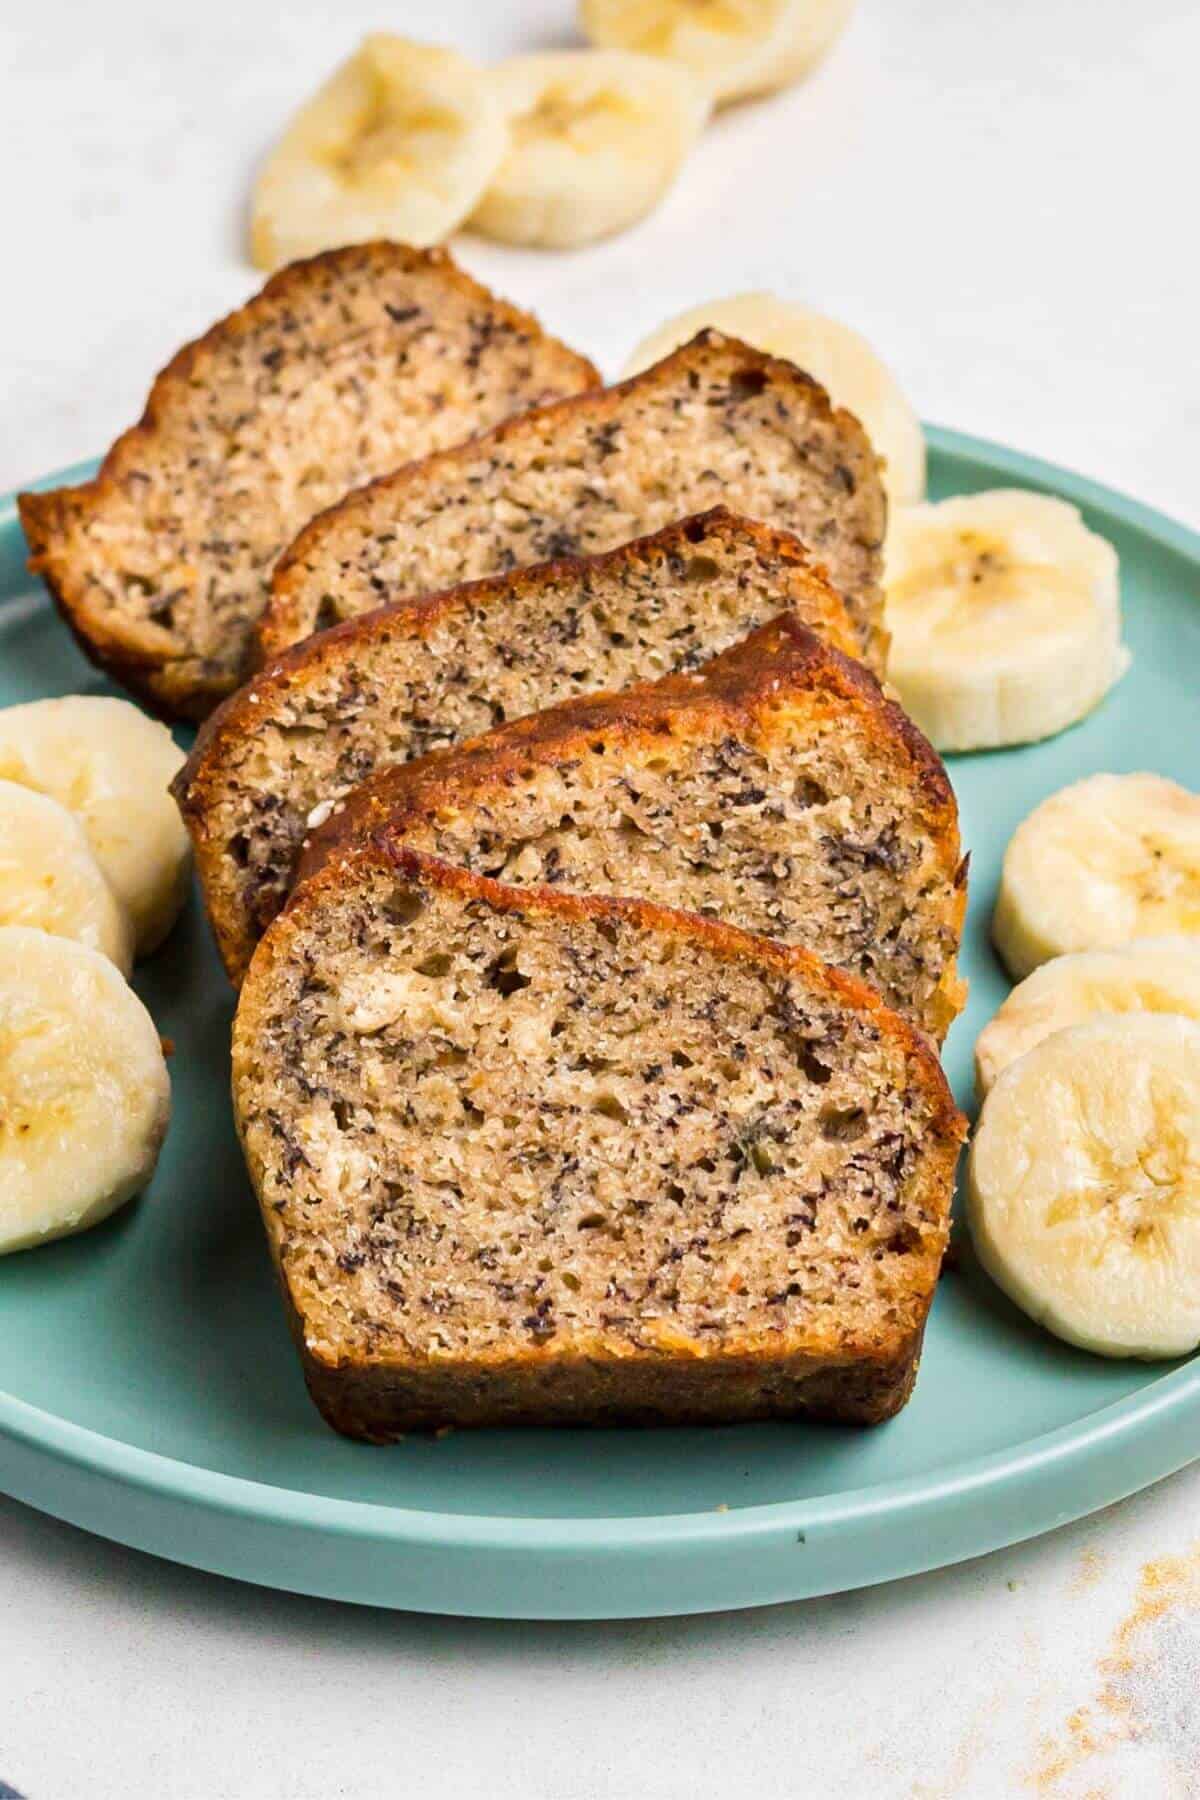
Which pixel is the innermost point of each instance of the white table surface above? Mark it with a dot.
(998, 194)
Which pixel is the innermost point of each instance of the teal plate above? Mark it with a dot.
(149, 1392)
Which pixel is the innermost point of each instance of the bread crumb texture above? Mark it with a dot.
(524, 1156)
(416, 677)
(715, 421)
(774, 788)
(341, 368)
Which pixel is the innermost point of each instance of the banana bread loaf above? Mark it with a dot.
(342, 367)
(528, 1157)
(400, 682)
(774, 788)
(714, 421)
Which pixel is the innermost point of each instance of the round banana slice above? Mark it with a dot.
(596, 138)
(1005, 617)
(1151, 975)
(734, 47)
(50, 879)
(110, 765)
(841, 360)
(1109, 859)
(84, 1092)
(400, 142)
(1083, 1185)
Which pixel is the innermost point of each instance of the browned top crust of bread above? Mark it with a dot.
(527, 1156)
(415, 677)
(715, 420)
(774, 787)
(341, 367)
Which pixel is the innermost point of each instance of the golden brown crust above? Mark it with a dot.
(779, 658)
(378, 1403)
(604, 404)
(132, 657)
(284, 621)
(135, 652)
(421, 613)
(815, 1369)
(200, 783)
(733, 695)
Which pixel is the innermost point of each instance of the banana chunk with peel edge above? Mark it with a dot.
(595, 139)
(110, 765)
(400, 142)
(1106, 860)
(1083, 1185)
(86, 1095)
(50, 879)
(734, 47)
(842, 361)
(1005, 616)
(1149, 975)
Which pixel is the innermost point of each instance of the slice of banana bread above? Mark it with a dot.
(774, 788)
(714, 421)
(342, 367)
(410, 679)
(529, 1157)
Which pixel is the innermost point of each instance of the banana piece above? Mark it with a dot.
(50, 879)
(1083, 1185)
(1150, 975)
(84, 1091)
(1109, 859)
(596, 138)
(110, 765)
(400, 142)
(1005, 617)
(734, 47)
(842, 361)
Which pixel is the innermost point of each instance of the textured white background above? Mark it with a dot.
(1001, 194)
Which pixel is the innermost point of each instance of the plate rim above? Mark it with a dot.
(1092, 1445)
(1049, 1453)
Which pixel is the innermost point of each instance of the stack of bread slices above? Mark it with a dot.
(595, 911)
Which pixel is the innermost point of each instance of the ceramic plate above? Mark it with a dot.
(149, 1391)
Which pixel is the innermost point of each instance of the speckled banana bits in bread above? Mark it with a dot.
(342, 367)
(413, 678)
(715, 421)
(774, 788)
(529, 1157)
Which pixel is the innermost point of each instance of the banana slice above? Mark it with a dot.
(1005, 617)
(49, 877)
(841, 361)
(400, 142)
(106, 762)
(84, 1092)
(1083, 1185)
(734, 47)
(1151, 975)
(596, 138)
(1109, 859)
